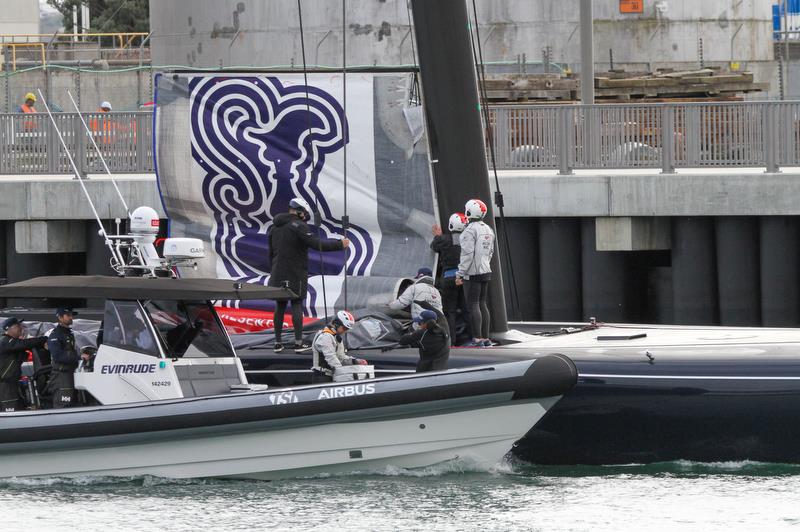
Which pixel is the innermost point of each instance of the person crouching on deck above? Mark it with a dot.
(328, 348)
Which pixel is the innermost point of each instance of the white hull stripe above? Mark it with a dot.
(689, 377)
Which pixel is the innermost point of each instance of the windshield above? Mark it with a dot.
(124, 326)
(189, 329)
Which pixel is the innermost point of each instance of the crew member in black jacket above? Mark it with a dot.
(289, 242)
(64, 355)
(449, 249)
(13, 351)
(432, 340)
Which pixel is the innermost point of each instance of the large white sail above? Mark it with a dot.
(233, 149)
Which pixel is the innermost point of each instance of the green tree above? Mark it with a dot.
(108, 16)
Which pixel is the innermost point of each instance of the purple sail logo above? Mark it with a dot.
(260, 144)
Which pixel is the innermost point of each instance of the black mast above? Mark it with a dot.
(450, 91)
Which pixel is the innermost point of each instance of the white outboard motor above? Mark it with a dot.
(144, 228)
(143, 258)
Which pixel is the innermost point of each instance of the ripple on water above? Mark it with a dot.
(667, 496)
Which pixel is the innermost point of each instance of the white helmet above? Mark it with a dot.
(299, 204)
(105, 105)
(344, 319)
(475, 209)
(458, 222)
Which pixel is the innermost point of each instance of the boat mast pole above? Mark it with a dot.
(116, 262)
(452, 111)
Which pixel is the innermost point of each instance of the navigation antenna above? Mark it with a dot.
(143, 259)
(100, 153)
(116, 260)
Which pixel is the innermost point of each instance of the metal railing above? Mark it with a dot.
(560, 137)
(30, 145)
(666, 136)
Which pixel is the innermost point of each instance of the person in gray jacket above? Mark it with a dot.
(475, 270)
(421, 290)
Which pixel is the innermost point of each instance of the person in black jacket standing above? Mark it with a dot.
(432, 340)
(64, 355)
(449, 250)
(289, 242)
(12, 354)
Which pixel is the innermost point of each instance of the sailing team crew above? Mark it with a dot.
(289, 241)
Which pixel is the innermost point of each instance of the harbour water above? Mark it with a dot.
(668, 496)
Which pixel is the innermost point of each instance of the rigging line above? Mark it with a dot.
(346, 138)
(317, 214)
(498, 199)
(116, 262)
(97, 149)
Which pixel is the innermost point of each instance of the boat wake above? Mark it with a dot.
(450, 467)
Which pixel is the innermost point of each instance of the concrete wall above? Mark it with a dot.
(212, 33)
(19, 16)
(125, 90)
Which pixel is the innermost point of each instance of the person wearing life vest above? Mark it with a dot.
(475, 269)
(29, 109)
(13, 352)
(328, 351)
(448, 246)
(103, 127)
(28, 106)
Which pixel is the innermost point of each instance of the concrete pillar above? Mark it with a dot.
(22, 266)
(560, 268)
(780, 271)
(97, 253)
(523, 233)
(51, 236)
(626, 233)
(604, 283)
(694, 281)
(738, 277)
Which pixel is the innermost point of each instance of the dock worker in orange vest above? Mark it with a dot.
(27, 107)
(102, 127)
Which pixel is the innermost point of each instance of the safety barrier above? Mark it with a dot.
(29, 144)
(654, 135)
(560, 137)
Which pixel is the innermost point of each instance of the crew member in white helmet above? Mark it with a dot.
(289, 241)
(475, 270)
(328, 348)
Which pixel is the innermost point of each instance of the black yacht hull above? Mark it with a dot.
(687, 404)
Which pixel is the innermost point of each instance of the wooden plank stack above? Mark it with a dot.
(662, 86)
(703, 83)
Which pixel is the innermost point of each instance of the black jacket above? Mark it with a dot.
(434, 347)
(448, 249)
(289, 241)
(12, 355)
(63, 352)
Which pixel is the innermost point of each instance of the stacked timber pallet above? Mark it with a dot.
(663, 85)
(706, 82)
(523, 87)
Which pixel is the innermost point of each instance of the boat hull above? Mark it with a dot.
(480, 436)
(475, 415)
